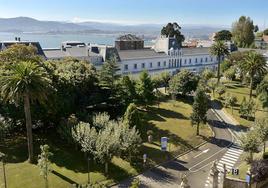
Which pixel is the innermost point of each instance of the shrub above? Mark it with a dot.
(6, 127)
(135, 183)
(65, 127)
(259, 170)
(265, 155)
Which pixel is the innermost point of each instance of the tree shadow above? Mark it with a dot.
(156, 114)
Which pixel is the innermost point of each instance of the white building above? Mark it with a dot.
(133, 58)
(165, 56)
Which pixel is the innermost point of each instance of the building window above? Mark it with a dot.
(190, 61)
(195, 60)
(169, 64)
(135, 66)
(159, 64)
(211, 59)
(206, 59)
(126, 67)
(151, 65)
(201, 60)
(165, 63)
(143, 65)
(185, 61)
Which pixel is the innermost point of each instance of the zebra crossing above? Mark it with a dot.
(229, 159)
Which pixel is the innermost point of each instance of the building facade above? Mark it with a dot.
(133, 57)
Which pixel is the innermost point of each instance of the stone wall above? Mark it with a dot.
(234, 183)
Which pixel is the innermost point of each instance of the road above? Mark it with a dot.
(196, 164)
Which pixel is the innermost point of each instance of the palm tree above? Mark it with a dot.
(27, 82)
(219, 49)
(253, 64)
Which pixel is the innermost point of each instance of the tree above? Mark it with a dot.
(17, 53)
(220, 90)
(212, 84)
(145, 89)
(250, 143)
(219, 49)
(230, 101)
(113, 138)
(183, 83)
(200, 108)
(230, 73)
(127, 90)
(165, 77)
(259, 170)
(243, 32)
(108, 78)
(254, 64)
(173, 30)
(265, 32)
(262, 92)
(26, 81)
(246, 108)
(261, 126)
(44, 163)
(207, 74)
(132, 116)
(223, 35)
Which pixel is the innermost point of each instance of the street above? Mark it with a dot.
(196, 164)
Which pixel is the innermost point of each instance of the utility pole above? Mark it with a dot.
(2, 156)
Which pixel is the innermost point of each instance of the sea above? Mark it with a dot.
(55, 40)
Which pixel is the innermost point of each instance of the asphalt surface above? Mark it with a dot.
(196, 164)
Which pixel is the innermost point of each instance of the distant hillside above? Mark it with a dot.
(26, 24)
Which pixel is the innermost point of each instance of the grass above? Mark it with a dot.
(171, 119)
(240, 91)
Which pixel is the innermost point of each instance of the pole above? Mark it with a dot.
(88, 174)
(4, 173)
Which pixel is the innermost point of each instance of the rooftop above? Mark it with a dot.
(139, 54)
(196, 51)
(128, 37)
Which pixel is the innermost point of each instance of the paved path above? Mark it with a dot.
(196, 163)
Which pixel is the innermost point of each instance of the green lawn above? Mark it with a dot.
(171, 119)
(240, 91)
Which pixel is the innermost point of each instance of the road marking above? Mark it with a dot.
(203, 152)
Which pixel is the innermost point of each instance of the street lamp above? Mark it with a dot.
(2, 158)
(88, 172)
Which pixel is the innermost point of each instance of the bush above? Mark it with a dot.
(135, 183)
(265, 155)
(6, 127)
(65, 127)
(259, 170)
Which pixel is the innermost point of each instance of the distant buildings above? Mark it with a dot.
(262, 42)
(132, 56)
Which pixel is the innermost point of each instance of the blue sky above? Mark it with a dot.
(210, 12)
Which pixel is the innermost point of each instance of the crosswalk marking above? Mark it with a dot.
(229, 159)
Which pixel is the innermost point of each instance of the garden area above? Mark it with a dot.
(170, 119)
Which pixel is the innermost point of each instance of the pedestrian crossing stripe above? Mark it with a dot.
(229, 159)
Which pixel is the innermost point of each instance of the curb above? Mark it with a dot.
(172, 159)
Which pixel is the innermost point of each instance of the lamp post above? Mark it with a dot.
(2, 156)
(88, 172)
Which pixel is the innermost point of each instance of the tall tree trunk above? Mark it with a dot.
(197, 129)
(251, 86)
(251, 156)
(219, 69)
(28, 121)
